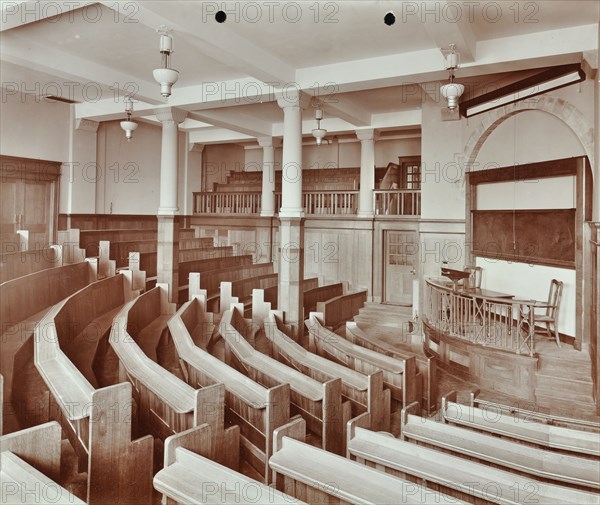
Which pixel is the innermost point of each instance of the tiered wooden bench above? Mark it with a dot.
(531, 416)
(23, 303)
(492, 420)
(365, 392)
(84, 410)
(31, 467)
(452, 475)
(398, 375)
(257, 410)
(320, 404)
(18, 264)
(166, 404)
(427, 389)
(318, 477)
(211, 281)
(320, 294)
(525, 460)
(336, 311)
(190, 476)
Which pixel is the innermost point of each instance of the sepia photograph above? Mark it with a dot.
(299, 252)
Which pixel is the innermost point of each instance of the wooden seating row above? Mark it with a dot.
(336, 311)
(14, 242)
(320, 404)
(190, 476)
(20, 263)
(257, 410)
(399, 375)
(532, 416)
(23, 303)
(84, 409)
(320, 294)
(427, 389)
(316, 476)
(518, 458)
(364, 392)
(493, 420)
(211, 282)
(31, 467)
(459, 477)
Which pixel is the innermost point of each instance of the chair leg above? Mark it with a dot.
(556, 334)
(548, 331)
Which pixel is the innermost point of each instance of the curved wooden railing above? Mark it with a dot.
(500, 323)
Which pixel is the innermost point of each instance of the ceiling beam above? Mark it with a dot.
(346, 108)
(216, 40)
(77, 70)
(452, 27)
(233, 120)
(217, 136)
(15, 14)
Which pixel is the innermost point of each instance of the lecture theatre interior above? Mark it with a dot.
(323, 252)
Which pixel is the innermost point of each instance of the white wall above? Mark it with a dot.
(528, 137)
(34, 129)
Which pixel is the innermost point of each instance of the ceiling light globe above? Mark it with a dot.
(166, 77)
(452, 92)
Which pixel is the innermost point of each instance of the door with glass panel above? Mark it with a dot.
(400, 262)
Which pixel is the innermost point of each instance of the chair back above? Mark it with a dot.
(554, 297)
(475, 274)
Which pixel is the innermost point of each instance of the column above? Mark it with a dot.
(268, 175)
(167, 257)
(367, 172)
(291, 214)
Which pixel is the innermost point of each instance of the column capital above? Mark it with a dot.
(367, 134)
(86, 125)
(292, 97)
(269, 142)
(165, 114)
(196, 148)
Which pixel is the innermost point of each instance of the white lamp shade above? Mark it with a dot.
(129, 127)
(166, 77)
(452, 92)
(319, 134)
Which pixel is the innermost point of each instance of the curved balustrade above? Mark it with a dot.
(500, 323)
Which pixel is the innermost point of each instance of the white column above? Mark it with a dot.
(291, 163)
(268, 175)
(167, 253)
(193, 176)
(170, 119)
(291, 228)
(367, 172)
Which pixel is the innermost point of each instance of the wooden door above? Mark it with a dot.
(400, 262)
(28, 199)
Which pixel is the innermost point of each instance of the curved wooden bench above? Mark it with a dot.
(84, 409)
(557, 468)
(328, 478)
(459, 477)
(20, 263)
(320, 404)
(398, 375)
(364, 391)
(492, 420)
(189, 476)
(257, 410)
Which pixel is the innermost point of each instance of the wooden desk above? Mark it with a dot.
(484, 293)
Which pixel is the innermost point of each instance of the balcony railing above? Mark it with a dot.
(397, 202)
(498, 323)
(389, 202)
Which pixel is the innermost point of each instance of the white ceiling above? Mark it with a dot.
(341, 52)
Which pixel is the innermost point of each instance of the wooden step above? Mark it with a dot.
(565, 386)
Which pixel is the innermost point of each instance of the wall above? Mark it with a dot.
(218, 159)
(34, 129)
(528, 137)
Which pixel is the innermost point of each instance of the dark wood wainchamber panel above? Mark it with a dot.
(545, 237)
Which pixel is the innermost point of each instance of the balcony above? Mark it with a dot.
(393, 202)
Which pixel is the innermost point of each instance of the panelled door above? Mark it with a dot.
(400, 263)
(28, 198)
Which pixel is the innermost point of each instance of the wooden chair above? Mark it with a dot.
(474, 280)
(552, 307)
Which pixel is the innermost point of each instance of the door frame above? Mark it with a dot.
(384, 244)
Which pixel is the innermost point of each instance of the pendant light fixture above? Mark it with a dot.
(453, 90)
(165, 76)
(128, 125)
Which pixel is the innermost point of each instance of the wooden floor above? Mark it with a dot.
(564, 375)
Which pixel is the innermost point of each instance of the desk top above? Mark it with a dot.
(484, 293)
